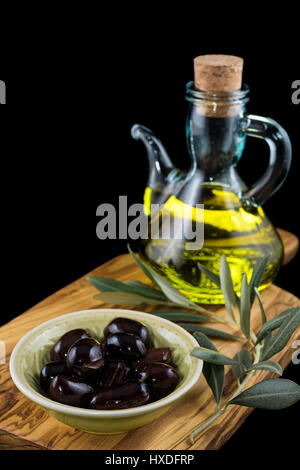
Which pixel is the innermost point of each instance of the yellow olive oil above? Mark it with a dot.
(239, 231)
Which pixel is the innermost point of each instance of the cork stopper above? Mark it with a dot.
(218, 72)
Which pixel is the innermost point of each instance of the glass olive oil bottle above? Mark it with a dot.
(212, 192)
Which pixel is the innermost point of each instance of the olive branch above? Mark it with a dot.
(275, 393)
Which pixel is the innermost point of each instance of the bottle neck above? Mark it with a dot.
(213, 130)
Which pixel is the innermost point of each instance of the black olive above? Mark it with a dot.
(115, 373)
(161, 378)
(156, 355)
(121, 396)
(51, 370)
(71, 391)
(126, 345)
(60, 349)
(127, 325)
(85, 357)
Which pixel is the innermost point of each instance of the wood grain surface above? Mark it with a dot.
(23, 425)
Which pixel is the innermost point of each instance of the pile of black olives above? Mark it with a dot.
(121, 370)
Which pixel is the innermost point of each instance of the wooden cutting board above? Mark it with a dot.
(23, 425)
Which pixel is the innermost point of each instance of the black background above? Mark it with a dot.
(73, 93)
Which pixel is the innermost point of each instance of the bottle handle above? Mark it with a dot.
(279, 160)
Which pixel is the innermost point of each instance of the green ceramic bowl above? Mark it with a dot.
(33, 351)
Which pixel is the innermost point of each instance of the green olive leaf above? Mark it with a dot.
(212, 276)
(245, 308)
(213, 373)
(166, 288)
(227, 286)
(275, 323)
(271, 394)
(177, 315)
(171, 293)
(104, 284)
(215, 279)
(125, 298)
(146, 290)
(257, 276)
(269, 365)
(174, 295)
(266, 342)
(284, 332)
(146, 269)
(211, 356)
(244, 362)
(262, 310)
(208, 331)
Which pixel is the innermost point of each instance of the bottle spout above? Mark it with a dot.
(137, 131)
(164, 178)
(159, 161)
